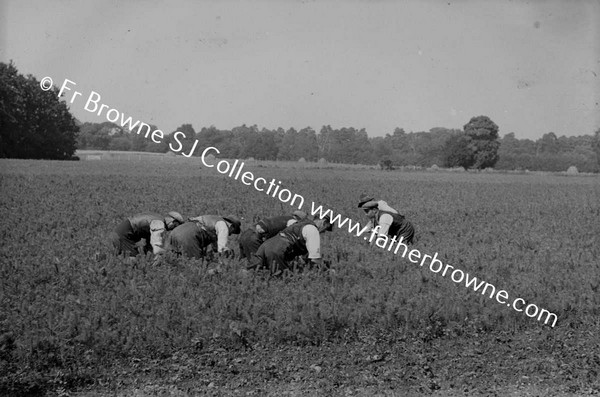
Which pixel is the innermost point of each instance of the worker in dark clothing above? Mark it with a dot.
(192, 238)
(148, 227)
(300, 239)
(263, 230)
(389, 223)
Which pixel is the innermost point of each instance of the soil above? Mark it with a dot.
(547, 362)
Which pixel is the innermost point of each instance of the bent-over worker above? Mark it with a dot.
(300, 239)
(192, 238)
(147, 226)
(264, 229)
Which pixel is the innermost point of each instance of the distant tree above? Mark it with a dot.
(381, 148)
(430, 146)
(210, 136)
(548, 144)
(386, 165)
(457, 151)
(259, 145)
(188, 130)
(398, 139)
(238, 144)
(306, 144)
(324, 141)
(121, 143)
(278, 135)
(481, 127)
(346, 145)
(187, 141)
(287, 145)
(86, 134)
(139, 143)
(596, 145)
(509, 143)
(229, 144)
(99, 136)
(566, 144)
(364, 153)
(100, 141)
(344, 148)
(483, 141)
(33, 123)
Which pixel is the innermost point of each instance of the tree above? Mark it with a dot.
(509, 143)
(363, 151)
(481, 134)
(485, 153)
(457, 151)
(430, 146)
(306, 144)
(287, 145)
(139, 142)
(596, 145)
(34, 123)
(185, 142)
(121, 143)
(324, 141)
(386, 165)
(548, 144)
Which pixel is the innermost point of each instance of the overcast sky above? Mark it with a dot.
(531, 66)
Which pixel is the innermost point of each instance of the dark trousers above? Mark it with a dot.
(189, 240)
(125, 241)
(249, 242)
(275, 254)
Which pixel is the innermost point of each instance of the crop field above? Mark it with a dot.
(76, 321)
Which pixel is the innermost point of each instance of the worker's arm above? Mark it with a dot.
(385, 221)
(384, 206)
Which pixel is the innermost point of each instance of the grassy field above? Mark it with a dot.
(74, 320)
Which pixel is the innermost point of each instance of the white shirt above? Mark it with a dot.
(220, 227)
(385, 221)
(222, 231)
(157, 235)
(313, 241)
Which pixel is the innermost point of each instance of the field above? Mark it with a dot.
(76, 321)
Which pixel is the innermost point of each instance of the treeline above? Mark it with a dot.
(35, 123)
(353, 146)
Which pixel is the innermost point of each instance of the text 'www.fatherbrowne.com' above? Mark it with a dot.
(435, 265)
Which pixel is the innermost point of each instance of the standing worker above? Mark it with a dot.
(149, 227)
(263, 230)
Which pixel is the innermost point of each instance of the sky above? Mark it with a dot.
(532, 67)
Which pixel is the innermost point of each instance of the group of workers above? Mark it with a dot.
(271, 243)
